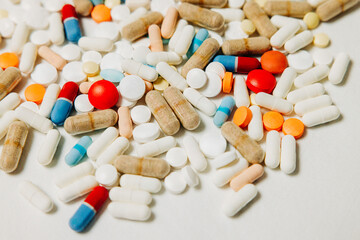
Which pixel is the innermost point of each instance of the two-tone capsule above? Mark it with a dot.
(71, 23)
(78, 151)
(224, 111)
(238, 64)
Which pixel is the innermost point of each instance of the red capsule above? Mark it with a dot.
(68, 11)
(259, 80)
(69, 91)
(97, 197)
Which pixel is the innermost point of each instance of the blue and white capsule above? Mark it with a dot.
(199, 38)
(78, 152)
(224, 111)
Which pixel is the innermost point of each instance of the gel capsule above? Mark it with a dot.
(9, 79)
(249, 175)
(136, 182)
(100, 144)
(339, 68)
(49, 146)
(238, 64)
(272, 156)
(177, 34)
(199, 38)
(273, 103)
(239, 199)
(33, 119)
(117, 147)
(171, 76)
(71, 23)
(200, 102)
(56, 29)
(331, 8)
(78, 152)
(298, 41)
(246, 46)
(284, 33)
(184, 42)
(156, 147)
(35, 196)
(321, 116)
(207, 3)
(224, 111)
(285, 8)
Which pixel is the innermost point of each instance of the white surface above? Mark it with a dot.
(319, 201)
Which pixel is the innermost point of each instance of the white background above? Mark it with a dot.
(320, 201)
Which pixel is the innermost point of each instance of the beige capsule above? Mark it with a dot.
(83, 7)
(247, 147)
(8, 80)
(331, 8)
(261, 21)
(125, 123)
(144, 166)
(13, 146)
(207, 3)
(168, 26)
(202, 56)
(52, 57)
(162, 112)
(201, 16)
(139, 28)
(249, 175)
(287, 8)
(88, 122)
(246, 46)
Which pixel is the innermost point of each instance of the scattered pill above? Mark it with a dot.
(49, 99)
(239, 199)
(339, 68)
(51, 57)
(71, 52)
(330, 9)
(103, 94)
(321, 56)
(120, 194)
(284, 33)
(272, 156)
(259, 80)
(140, 114)
(321, 116)
(139, 69)
(196, 157)
(44, 74)
(82, 104)
(71, 23)
(273, 121)
(291, 9)
(247, 176)
(107, 176)
(35, 93)
(213, 86)
(196, 78)
(273, 103)
(11, 101)
(175, 183)
(285, 83)
(224, 111)
(299, 41)
(48, 147)
(212, 145)
(321, 40)
(34, 119)
(35, 196)
(306, 92)
(8, 59)
(255, 126)
(28, 58)
(78, 152)
(274, 62)
(216, 67)
(294, 127)
(223, 175)
(288, 154)
(311, 76)
(176, 157)
(129, 210)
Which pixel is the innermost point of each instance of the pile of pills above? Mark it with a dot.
(169, 64)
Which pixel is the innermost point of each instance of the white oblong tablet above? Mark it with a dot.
(312, 104)
(301, 61)
(106, 175)
(190, 176)
(119, 13)
(238, 200)
(176, 157)
(288, 154)
(130, 211)
(40, 37)
(175, 183)
(44, 74)
(107, 30)
(224, 159)
(149, 184)
(322, 56)
(30, 105)
(74, 173)
(70, 52)
(272, 157)
(124, 49)
(140, 114)
(35, 196)
(223, 175)
(119, 194)
(91, 56)
(132, 87)
(11, 101)
(146, 132)
(112, 61)
(213, 86)
(82, 104)
(196, 157)
(72, 71)
(196, 78)
(212, 144)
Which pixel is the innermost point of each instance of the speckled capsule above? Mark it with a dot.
(246, 46)
(287, 8)
(331, 8)
(8, 80)
(207, 3)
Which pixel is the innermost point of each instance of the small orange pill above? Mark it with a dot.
(274, 62)
(242, 116)
(9, 59)
(101, 13)
(294, 127)
(228, 81)
(273, 121)
(35, 93)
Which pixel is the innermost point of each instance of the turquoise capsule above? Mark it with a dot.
(224, 111)
(199, 38)
(78, 151)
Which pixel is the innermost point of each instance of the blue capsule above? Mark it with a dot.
(72, 30)
(78, 151)
(224, 111)
(199, 38)
(112, 75)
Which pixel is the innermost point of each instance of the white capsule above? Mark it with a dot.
(216, 67)
(136, 182)
(154, 58)
(138, 13)
(107, 176)
(5, 122)
(288, 154)
(74, 173)
(238, 200)
(145, 72)
(223, 175)
(273, 103)
(11, 101)
(171, 76)
(48, 147)
(156, 147)
(100, 144)
(117, 147)
(241, 93)
(196, 157)
(196, 78)
(77, 189)
(146, 132)
(311, 76)
(321, 116)
(185, 40)
(56, 29)
(19, 37)
(28, 58)
(284, 33)
(299, 41)
(35, 196)
(255, 126)
(230, 14)
(272, 156)
(130, 211)
(200, 102)
(312, 104)
(177, 34)
(33, 119)
(119, 194)
(306, 92)
(224, 159)
(339, 68)
(285, 83)
(95, 44)
(50, 97)
(191, 178)
(280, 21)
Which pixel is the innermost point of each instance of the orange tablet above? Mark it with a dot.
(35, 93)
(242, 116)
(101, 13)
(273, 121)
(294, 127)
(228, 82)
(9, 59)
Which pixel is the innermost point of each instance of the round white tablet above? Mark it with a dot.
(217, 68)
(44, 74)
(300, 61)
(82, 104)
(91, 56)
(146, 132)
(176, 157)
(323, 56)
(175, 183)
(140, 53)
(190, 176)
(71, 52)
(212, 144)
(124, 49)
(196, 78)
(120, 13)
(53, 5)
(37, 18)
(106, 175)
(73, 72)
(30, 105)
(140, 114)
(40, 37)
(213, 86)
(132, 87)
(7, 27)
(224, 159)
(112, 61)
(234, 31)
(107, 30)
(122, 102)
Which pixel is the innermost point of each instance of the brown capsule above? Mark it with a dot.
(246, 46)
(247, 147)
(287, 8)
(162, 112)
(261, 21)
(83, 7)
(52, 57)
(185, 112)
(201, 16)
(332, 8)
(13, 146)
(202, 56)
(207, 3)
(139, 28)
(88, 122)
(144, 166)
(8, 80)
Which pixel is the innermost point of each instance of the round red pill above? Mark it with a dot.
(103, 94)
(259, 80)
(274, 62)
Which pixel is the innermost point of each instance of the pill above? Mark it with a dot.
(185, 40)
(247, 26)
(294, 127)
(112, 75)
(274, 62)
(125, 123)
(290, 9)
(169, 23)
(285, 83)
(246, 46)
(175, 183)
(99, 44)
(7, 27)
(28, 58)
(156, 44)
(284, 34)
(273, 121)
(301, 61)
(321, 40)
(9, 79)
(5, 121)
(298, 41)
(312, 104)
(156, 147)
(306, 92)
(44, 74)
(49, 99)
(321, 116)
(213, 86)
(56, 29)
(238, 64)
(82, 104)
(330, 9)
(51, 57)
(171, 75)
(78, 152)
(140, 114)
(30, 105)
(339, 68)
(35, 196)
(11, 101)
(228, 81)
(117, 147)
(273, 103)
(224, 111)
(91, 56)
(77, 188)
(70, 52)
(83, 7)
(34, 120)
(315, 3)
(154, 58)
(223, 175)
(224, 159)
(207, 3)
(191, 178)
(288, 154)
(196, 78)
(40, 37)
(241, 93)
(136, 182)
(177, 34)
(101, 13)
(129, 210)
(212, 145)
(260, 80)
(321, 56)
(255, 126)
(107, 176)
(88, 209)
(101, 143)
(238, 200)
(71, 23)
(311, 19)
(48, 147)
(280, 21)
(34, 93)
(19, 37)
(74, 173)
(272, 156)
(103, 94)
(8, 59)
(196, 157)
(200, 102)
(139, 69)
(146, 132)
(230, 14)
(311, 76)
(247, 176)
(176, 157)
(120, 194)
(242, 116)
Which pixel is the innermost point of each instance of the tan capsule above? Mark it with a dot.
(156, 44)
(185, 112)
(140, 27)
(8, 80)
(13, 146)
(249, 175)
(287, 8)
(147, 166)
(52, 57)
(169, 24)
(207, 3)
(83, 7)
(162, 112)
(247, 147)
(332, 8)
(201, 16)
(88, 122)
(261, 21)
(202, 56)
(125, 123)
(246, 46)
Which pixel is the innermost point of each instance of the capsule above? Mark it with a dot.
(83, 7)
(139, 28)
(285, 83)
(200, 101)
(306, 92)
(199, 38)
(311, 76)
(177, 34)
(63, 105)
(255, 127)
(284, 34)
(129, 210)
(299, 41)
(162, 112)
(56, 29)
(272, 156)
(249, 175)
(136, 182)
(52, 57)
(120, 194)
(339, 68)
(88, 209)
(19, 37)
(154, 58)
(247, 147)
(10, 102)
(156, 147)
(331, 8)
(196, 157)
(230, 14)
(312, 104)
(287, 8)
(273, 103)
(117, 147)
(169, 23)
(28, 58)
(102, 142)
(145, 72)
(35, 196)
(99, 44)
(185, 40)
(49, 146)
(207, 3)
(14, 143)
(223, 112)
(156, 44)
(171, 76)
(261, 21)
(71, 23)
(288, 154)
(241, 93)
(321, 116)
(33, 119)
(281, 21)
(125, 123)
(148, 167)
(78, 188)
(223, 175)
(5, 122)
(202, 56)
(239, 199)
(74, 173)
(238, 64)
(246, 46)
(9, 79)
(78, 152)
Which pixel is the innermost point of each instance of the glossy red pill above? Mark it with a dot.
(260, 80)
(103, 94)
